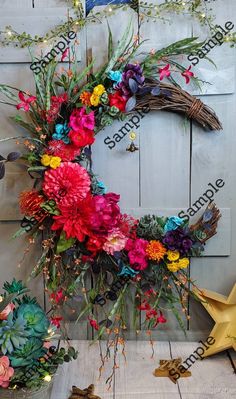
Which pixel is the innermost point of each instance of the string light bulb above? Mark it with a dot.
(1, 298)
(110, 9)
(47, 378)
(9, 33)
(203, 15)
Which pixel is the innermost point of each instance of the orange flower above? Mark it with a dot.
(155, 250)
(30, 202)
(85, 98)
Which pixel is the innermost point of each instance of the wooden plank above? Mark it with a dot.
(222, 76)
(135, 375)
(6, 4)
(212, 377)
(16, 178)
(12, 253)
(82, 372)
(30, 21)
(164, 138)
(50, 3)
(212, 158)
(116, 167)
(214, 154)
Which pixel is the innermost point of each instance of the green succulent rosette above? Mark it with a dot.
(34, 319)
(31, 351)
(12, 334)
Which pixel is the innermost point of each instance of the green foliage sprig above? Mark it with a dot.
(195, 8)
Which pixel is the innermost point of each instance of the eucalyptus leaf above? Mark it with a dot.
(2, 170)
(133, 86)
(13, 156)
(156, 91)
(130, 104)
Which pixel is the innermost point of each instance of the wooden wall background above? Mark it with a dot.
(176, 160)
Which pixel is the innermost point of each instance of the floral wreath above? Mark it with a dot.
(84, 231)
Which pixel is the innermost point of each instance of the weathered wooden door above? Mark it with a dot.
(176, 159)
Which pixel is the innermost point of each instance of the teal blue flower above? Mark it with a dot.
(102, 187)
(61, 133)
(12, 334)
(173, 223)
(34, 318)
(127, 271)
(26, 355)
(116, 76)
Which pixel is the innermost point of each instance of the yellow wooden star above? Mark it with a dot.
(223, 311)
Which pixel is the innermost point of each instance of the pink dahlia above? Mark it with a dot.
(6, 372)
(107, 213)
(116, 241)
(137, 253)
(67, 152)
(73, 219)
(81, 121)
(68, 184)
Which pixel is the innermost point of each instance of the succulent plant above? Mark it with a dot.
(34, 319)
(12, 334)
(15, 287)
(26, 355)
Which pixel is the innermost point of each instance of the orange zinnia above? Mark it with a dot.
(155, 250)
(85, 98)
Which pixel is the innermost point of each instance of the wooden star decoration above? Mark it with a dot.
(87, 393)
(171, 368)
(223, 311)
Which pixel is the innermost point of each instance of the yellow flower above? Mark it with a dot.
(172, 255)
(55, 162)
(183, 263)
(155, 250)
(99, 90)
(95, 99)
(45, 160)
(173, 267)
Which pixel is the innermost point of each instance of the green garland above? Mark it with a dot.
(195, 8)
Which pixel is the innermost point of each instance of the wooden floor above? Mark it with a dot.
(212, 378)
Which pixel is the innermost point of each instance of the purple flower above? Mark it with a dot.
(131, 71)
(178, 240)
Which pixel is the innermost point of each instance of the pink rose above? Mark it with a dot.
(8, 309)
(6, 372)
(115, 242)
(81, 121)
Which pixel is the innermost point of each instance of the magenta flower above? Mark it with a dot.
(107, 213)
(25, 102)
(187, 74)
(164, 72)
(81, 121)
(137, 253)
(65, 54)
